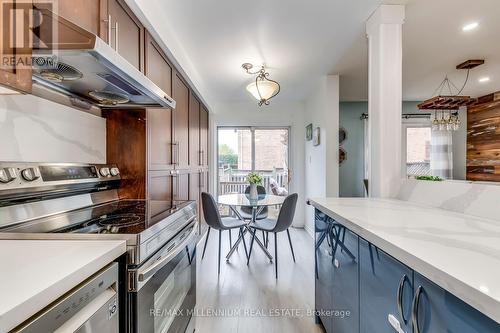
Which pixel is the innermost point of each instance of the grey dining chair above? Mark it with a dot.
(214, 221)
(283, 223)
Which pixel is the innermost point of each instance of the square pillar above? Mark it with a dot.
(384, 31)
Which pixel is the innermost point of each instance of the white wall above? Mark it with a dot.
(321, 162)
(36, 130)
(276, 114)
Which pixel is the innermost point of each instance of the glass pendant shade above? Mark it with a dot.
(263, 89)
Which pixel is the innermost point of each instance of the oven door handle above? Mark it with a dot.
(153, 269)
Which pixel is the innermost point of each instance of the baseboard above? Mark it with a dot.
(310, 232)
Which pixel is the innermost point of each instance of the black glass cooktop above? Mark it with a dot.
(116, 217)
(124, 217)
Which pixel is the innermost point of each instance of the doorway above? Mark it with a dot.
(241, 150)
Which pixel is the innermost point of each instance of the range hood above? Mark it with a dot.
(79, 64)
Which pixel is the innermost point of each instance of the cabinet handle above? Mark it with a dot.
(175, 185)
(414, 310)
(116, 36)
(399, 297)
(109, 29)
(175, 150)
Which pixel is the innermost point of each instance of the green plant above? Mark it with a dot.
(430, 178)
(254, 178)
(227, 155)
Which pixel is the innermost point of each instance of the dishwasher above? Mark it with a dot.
(92, 306)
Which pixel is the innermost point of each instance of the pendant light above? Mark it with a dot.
(263, 88)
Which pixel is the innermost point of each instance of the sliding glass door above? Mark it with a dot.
(241, 150)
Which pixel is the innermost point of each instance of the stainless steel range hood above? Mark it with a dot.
(79, 64)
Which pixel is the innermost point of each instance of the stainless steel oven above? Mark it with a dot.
(162, 291)
(80, 201)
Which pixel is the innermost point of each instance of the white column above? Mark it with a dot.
(384, 30)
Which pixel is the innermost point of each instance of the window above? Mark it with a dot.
(418, 151)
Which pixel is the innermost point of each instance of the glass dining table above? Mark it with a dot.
(233, 201)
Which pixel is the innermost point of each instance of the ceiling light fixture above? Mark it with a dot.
(263, 89)
(484, 79)
(470, 26)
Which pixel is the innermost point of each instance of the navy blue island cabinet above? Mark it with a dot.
(436, 310)
(360, 288)
(386, 289)
(337, 276)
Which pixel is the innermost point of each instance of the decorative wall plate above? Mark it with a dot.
(342, 135)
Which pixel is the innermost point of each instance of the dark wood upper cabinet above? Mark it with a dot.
(91, 15)
(204, 136)
(180, 92)
(127, 33)
(157, 66)
(15, 74)
(194, 132)
(159, 121)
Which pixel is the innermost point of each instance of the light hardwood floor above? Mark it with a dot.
(249, 297)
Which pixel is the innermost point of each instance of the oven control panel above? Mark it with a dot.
(33, 175)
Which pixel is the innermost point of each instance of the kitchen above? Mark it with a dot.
(113, 132)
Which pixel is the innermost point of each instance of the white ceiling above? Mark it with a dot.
(300, 40)
(433, 44)
(297, 39)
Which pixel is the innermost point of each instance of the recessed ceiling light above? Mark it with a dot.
(470, 26)
(484, 79)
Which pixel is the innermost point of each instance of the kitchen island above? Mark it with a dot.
(38, 272)
(401, 261)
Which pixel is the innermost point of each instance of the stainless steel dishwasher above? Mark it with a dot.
(91, 306)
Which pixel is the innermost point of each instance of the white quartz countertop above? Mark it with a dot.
(458, 252)
(37, 272)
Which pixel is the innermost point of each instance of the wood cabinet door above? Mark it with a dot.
(194, 132)
(160, 185)
(158, 69)
(204, 135)
(180, 92)
(194, 185)
(181, 186)
(87, 14)
(159, 139)
(127, 33)
(156, 66)
(15, 60)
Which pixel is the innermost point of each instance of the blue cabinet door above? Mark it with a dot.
(345, 281)
(324, 270)
(382, 281)
(437, 310)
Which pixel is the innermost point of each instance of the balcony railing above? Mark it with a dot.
(234, 180)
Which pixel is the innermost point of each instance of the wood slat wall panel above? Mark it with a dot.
(483, 139)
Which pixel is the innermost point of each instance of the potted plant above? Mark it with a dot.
(254, 179)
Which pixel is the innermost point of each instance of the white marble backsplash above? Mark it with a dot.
(33, 129)
(473, 198)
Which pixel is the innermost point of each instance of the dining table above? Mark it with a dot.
(235, 200)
